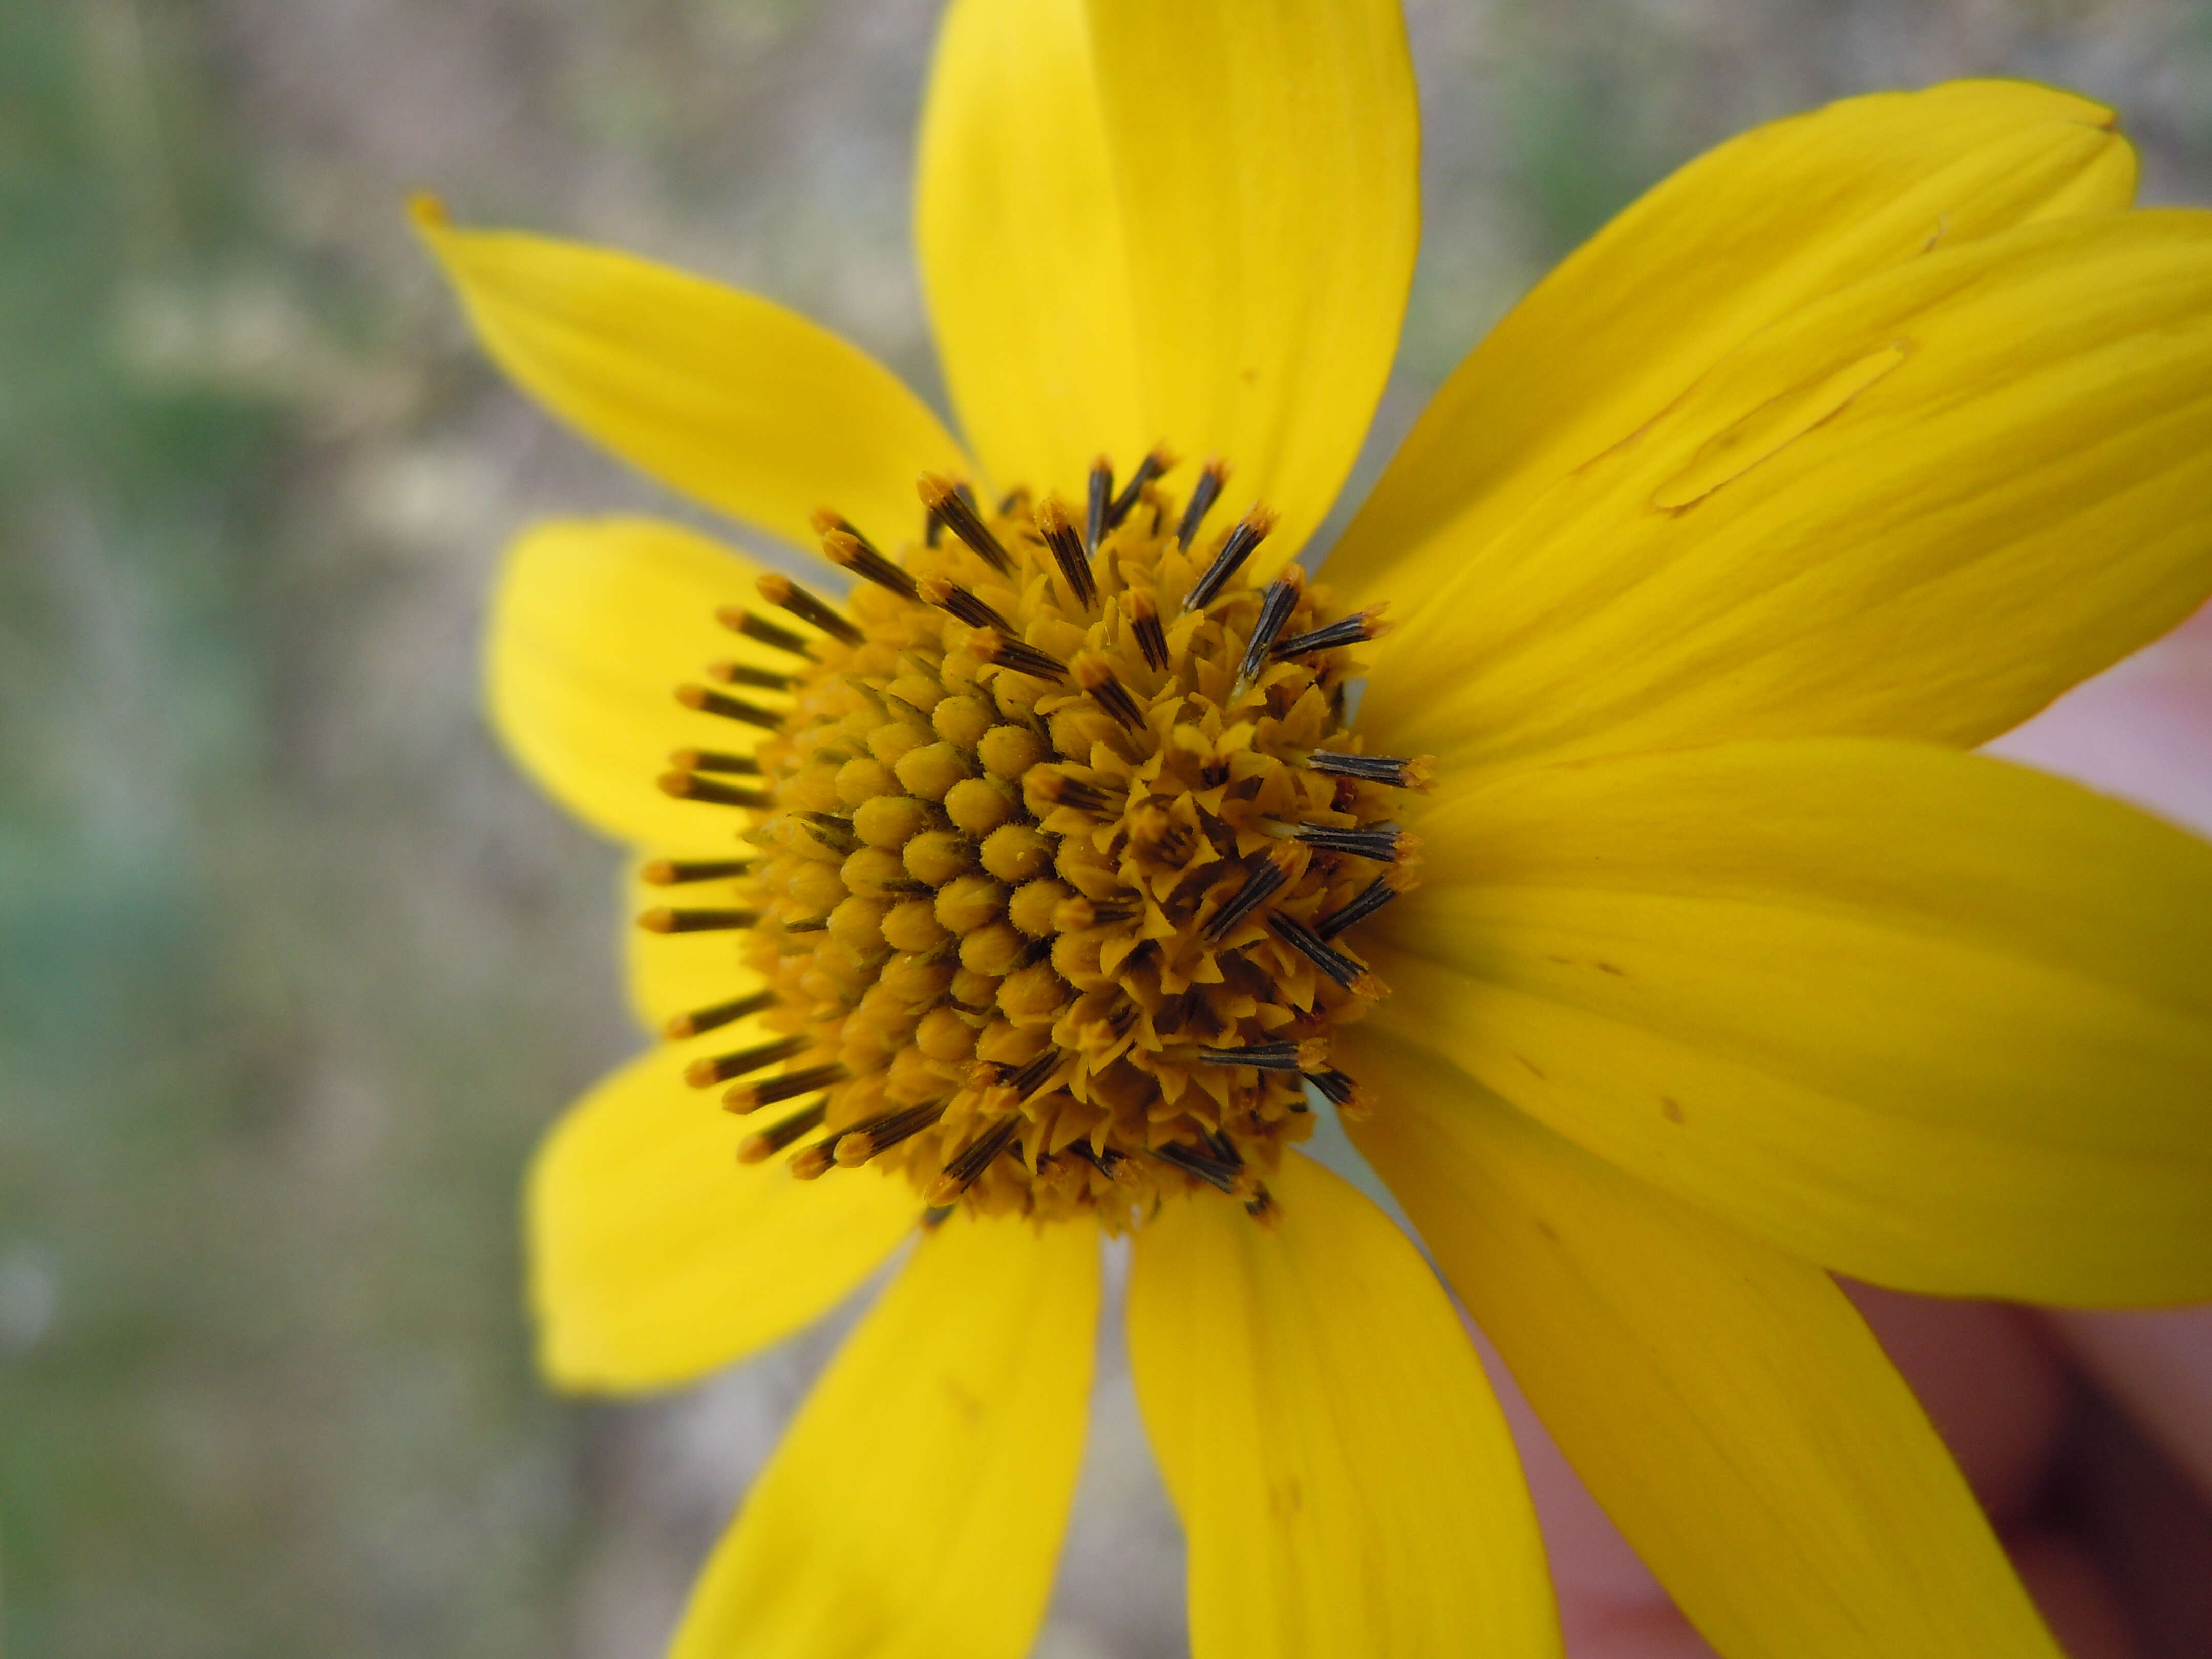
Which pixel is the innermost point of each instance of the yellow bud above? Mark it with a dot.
(1007, 751)
(944, 1035)
(1032, 905)
(923, 692)
(936, 856)
(916, 980)
(815, 889)
(977, 805)
(1032, 995)
(863, 778)
(857, 924)
(890, 821)
(967, 903)
(1015, 852)
(890, 739)
(930, 769)
(996, 950)
(962, 721)
(914, 926)
(869, 872)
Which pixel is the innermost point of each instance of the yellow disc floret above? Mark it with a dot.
(1058, 836)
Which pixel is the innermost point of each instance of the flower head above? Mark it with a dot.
(1646, 924)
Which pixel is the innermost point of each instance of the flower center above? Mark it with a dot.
(1058, 836)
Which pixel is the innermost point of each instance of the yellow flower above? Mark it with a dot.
(1845, 449)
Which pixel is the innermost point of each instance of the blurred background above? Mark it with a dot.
(293, 966)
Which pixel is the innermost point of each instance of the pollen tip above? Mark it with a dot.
(1313, 1053)
(1262, 1208)
(1091, 670)
(1406, 850)
(701, 1074)
(934, 590)
(842, 546)
(813, 1162)
(678, 784)
(1052, 516)
(945, 1190)
(660, 920)
(1140, 605)
(1072, 915)
(756, 1149)
(853, 1149)
(935, 489)
(1368, 988)
(775, 589)
(681, 1026)
(661, 873)
(691, 696)
(1420, 774)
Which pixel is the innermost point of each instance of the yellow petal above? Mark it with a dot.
(1200, 218)
(594, 625)
(1918, 1016)
(1922, 506)
(915, 1508)
(1724, 1402)
(656, 1256)
(732, 399)
(1343, 1473)
(1743, 235)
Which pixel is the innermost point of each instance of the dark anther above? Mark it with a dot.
(785, 594)
(675, 873)
(714, 760)
(741, 673)
(1361, 625)
(1275, 607)
(1104, 1162)
(759, 628)
(1102, 497)
(1251, 530)
(690, 786)
(829, 829)
(1026, 1079)
(1013, 500)
(1058, 789)
(1302, 939)
(721, 1068)
(1203, 496)
(751, 1096)
(1190, 1161)
(808, 925)
(1372, 899)
(728, 709)
(951, 596)
(1265, 879)
(1144, 623)
(1147, 470)
(848, 552)
(956, 505)
(1261, 1056)
(960, 1175)
(1020, 656)
(1059, 534)
(1385, 843)
(758, 1148)
(1224, 1148)
(1095, 677)
(884, 1131)
(719, 1014)
(1334, 1086)
(665, 921)
(1417, 773)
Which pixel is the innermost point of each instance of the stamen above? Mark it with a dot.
(690, 786)
(1338, 1089)
(701, 1020)
(714, 760)
(848, 552)
(1270, 1057)
(1367, 624)
(721, 1068)
(759, 628)
(1370, 898)
(728, 709)
(1158, 461)
(738, 673)
(961, 1174)
(751, 1096)
(1073, 915)
(953, 504)
(951, 596)
(1275, 607)
(829, 829)
(1145, 623)
(1265, 878)
(1014, 500)
(1418, 773)
(1352, 975)
(1385, 843)
(1020, 656)
(675, 873)
(785, 594)
(1058, 789)
(1102, 496)
(879, 1134)
(1059, 534)
(1095, 677)
(1203, 496)
(759, 1148)
(1251, 530)
(666, 921)
(1190, 1161)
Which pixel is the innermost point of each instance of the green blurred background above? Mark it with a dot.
(293, 968)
